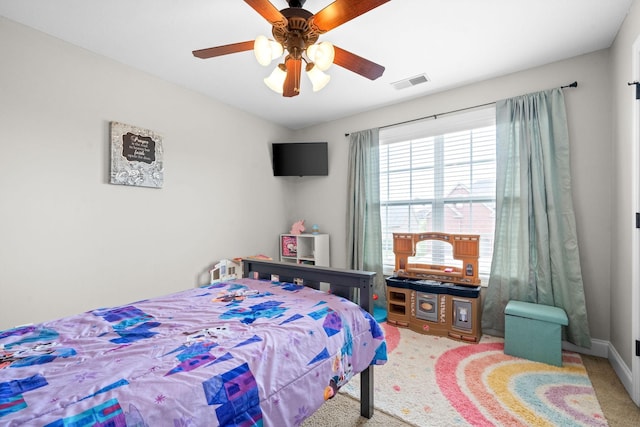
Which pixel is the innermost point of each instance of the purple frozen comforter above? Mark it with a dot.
(241, 353)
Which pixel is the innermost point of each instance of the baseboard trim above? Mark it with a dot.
(599, 348)
(621, 369)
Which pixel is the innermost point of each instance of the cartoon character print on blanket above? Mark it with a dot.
(35, 346)
(201, 354)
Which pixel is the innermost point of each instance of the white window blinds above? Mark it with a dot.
(439, 175)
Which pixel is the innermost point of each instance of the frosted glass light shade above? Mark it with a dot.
(321, 54)
(318, 78)
(275, 81)
(266, 50)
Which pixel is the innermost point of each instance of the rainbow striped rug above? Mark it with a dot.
(433, 381)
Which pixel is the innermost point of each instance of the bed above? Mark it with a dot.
(266, 349)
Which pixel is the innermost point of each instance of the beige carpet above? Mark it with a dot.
(344, 411)
(617, 407)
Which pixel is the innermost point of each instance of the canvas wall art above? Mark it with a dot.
(136, 156)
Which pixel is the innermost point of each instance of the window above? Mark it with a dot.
(439, 175)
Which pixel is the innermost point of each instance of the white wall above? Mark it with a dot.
(69, 241)
(588, 108)
(623, 176)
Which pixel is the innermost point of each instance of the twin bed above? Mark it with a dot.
(267, 349)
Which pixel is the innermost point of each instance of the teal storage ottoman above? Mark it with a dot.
(534, 331)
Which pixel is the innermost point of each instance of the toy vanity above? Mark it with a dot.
(441, 300)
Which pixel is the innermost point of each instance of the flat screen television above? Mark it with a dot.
(300, 159)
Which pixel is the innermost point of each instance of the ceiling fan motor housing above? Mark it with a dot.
(297, 35)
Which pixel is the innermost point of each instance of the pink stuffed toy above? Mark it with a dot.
(297, 227)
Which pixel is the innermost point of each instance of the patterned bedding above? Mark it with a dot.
(241, 353)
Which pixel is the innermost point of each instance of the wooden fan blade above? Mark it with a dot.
(357, 64)
(292, 81)
(268, 11)
(223, 50)
(341, 11)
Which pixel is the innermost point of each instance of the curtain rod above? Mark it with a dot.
(435, 116)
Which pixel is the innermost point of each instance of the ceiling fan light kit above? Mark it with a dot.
(317, 77)
(319, 58)
(296, 30)
(321, 54)
(275, 81)
(266, 50)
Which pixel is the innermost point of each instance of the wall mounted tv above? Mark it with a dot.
(300, 159)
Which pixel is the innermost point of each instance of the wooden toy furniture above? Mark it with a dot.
(533, 331)
(466, 248)
(436, 299)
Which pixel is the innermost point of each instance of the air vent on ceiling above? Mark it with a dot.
(411, 81)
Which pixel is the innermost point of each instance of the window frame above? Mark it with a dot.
(476, 119)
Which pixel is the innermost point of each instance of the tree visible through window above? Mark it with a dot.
(439, 175)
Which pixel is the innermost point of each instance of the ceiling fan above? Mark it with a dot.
(297, 30)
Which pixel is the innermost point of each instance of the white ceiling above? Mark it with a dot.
(455, 42)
